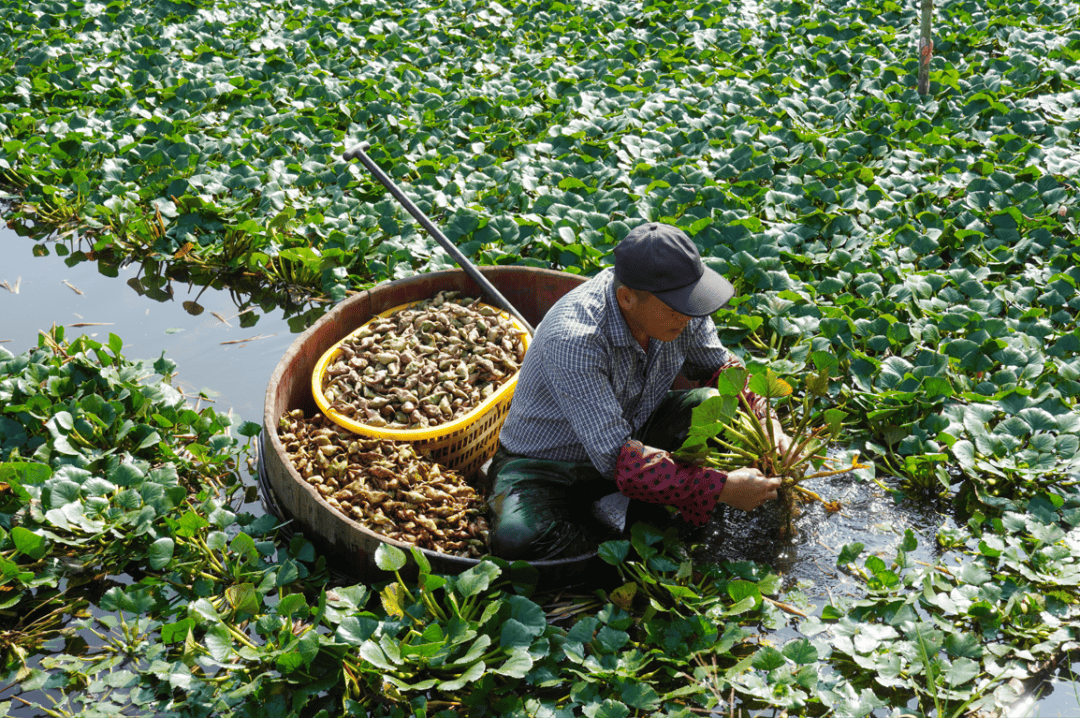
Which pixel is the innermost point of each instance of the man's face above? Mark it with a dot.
(647, 315)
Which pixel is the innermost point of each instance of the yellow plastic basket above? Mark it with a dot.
(463, 444)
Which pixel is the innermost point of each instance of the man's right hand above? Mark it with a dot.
(746, 489)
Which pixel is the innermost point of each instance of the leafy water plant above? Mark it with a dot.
(727, 433)
(137, 584)
(929, 242)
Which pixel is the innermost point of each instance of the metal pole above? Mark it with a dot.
(359, 152)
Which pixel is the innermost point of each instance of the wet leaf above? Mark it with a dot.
(243, 598)
(29, 543)
(389, 558)
(161, 553)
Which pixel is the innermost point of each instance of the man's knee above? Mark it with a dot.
(512, 536)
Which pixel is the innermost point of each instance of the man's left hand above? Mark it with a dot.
(782, 440)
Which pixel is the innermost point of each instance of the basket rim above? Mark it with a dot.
(459, 425)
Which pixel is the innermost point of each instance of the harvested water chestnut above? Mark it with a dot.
(424, 365)
(386, 486)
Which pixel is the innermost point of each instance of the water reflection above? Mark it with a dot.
(159, 277)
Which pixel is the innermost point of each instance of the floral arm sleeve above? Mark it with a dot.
(651, 475)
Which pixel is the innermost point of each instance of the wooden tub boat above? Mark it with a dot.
(348, 546)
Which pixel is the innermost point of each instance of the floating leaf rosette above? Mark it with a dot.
(727, 432)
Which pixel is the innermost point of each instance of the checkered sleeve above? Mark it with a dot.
(580, 376)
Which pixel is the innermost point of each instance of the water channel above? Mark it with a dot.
(226, 345)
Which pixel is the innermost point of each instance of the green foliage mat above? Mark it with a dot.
(131, 582)
(929, 242)
(920, 250)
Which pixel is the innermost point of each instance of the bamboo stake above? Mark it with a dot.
(926, 47)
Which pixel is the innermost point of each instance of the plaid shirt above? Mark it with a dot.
(586, 384)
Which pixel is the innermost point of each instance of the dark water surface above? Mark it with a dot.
(216, 348)
(226, 347)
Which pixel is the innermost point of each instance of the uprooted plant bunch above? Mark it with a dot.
(727, 434)
(386, 486)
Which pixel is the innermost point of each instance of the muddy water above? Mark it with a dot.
(226, 346)
(805, 555)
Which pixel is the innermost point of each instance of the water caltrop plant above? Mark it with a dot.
(136, 582)
(726, 432)
(928, 243)
(928, 240)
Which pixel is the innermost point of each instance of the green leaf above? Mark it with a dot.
(961, 671)
(219, 642)
(732, 381)
(769, 385)
(422, 563)
(390, 558)
(974, 574)
(473, 673)
(711, 416)
(740, 590)
(29, 543)
(964, 645)
(293, 604)
(243, 545)
(289, 662)
(749, 603)
(530, 615)
(609, 640)
(610, 708)
(768, 658)
(18, 474)
(801, 651)
(849, 553)
(474, 581)
(177, 631)
(243, 598)
(517, 665)
(834, 419)
(640, 695)
(355, 630)
(824, 360)
(514, 635)
(160, 553)
(614, 552)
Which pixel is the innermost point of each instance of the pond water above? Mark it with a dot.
(226, 345)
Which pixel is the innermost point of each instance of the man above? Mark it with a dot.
(593, 409)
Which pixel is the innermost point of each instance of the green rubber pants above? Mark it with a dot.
(542, 509)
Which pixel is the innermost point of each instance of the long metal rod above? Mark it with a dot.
(359, 152)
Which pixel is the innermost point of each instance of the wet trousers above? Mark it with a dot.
(542, 509)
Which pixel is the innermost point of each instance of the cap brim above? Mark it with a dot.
(701, 298)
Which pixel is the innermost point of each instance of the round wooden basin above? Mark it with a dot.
(348, 546)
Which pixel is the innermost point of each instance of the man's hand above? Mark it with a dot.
(746, 489)
(782, 440)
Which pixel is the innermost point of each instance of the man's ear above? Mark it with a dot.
(627, 298)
